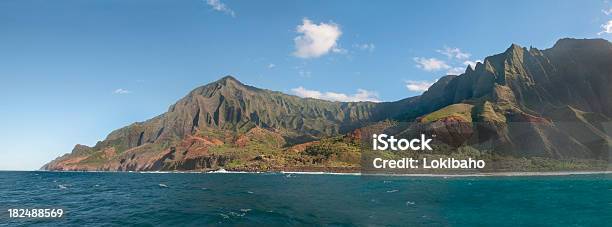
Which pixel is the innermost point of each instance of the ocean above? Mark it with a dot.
(271, 199)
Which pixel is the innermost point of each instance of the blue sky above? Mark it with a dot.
(71, 71)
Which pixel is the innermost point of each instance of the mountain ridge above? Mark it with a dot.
(518, 85)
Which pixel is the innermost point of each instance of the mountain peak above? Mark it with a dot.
(227, 84)
(228, 81)
(571, 43)
(229, 78)
(514, 49)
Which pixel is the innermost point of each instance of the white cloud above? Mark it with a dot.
(430, 64)
(219, 6)
(303, 92)
(361, 95)
(454, 53)
(338, 50)
(455, 71)
(471, 63)
(607, 12)
(365, 46)
(316, 40)
(418, 86)
(607, 28)
(121, 91)
(271, 65)
(306, 74)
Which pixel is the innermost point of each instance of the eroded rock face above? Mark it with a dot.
(523, 102)
(451, 130)
(527, 102)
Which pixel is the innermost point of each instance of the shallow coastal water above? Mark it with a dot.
(189, 199)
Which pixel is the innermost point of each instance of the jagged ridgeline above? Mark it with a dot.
(554, 103)
(229, 105)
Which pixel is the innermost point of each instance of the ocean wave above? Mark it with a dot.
(490, 174)
(320, 173)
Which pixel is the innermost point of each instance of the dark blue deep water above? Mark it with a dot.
(280, 199)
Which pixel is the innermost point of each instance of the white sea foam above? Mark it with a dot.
(232, 213)
(222, 170)
(227, 171)
(501, 174)
(320, 173)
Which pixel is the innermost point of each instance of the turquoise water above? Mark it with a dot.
(296, 199)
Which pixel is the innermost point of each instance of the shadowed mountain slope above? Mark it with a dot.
(551, 103)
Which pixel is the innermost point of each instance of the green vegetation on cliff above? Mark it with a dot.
(548, 107)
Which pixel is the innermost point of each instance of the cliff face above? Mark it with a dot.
(223, 111)
(227, 104)
(554, 103)
(573, 72)
(528, 102)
